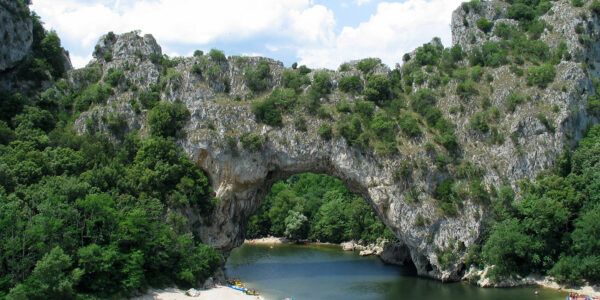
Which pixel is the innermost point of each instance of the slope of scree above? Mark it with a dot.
(426, 144)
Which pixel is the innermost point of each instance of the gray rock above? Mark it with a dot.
(16, 33)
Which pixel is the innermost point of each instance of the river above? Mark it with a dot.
(326, 272)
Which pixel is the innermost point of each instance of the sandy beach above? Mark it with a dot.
(217, 293)
(270, 240)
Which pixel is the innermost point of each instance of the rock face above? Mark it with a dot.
(16, 33)
(215, 93)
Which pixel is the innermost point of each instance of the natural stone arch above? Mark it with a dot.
(241, 179)
(220, 114)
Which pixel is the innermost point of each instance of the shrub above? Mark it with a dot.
(367, 65)
(149, 98)
(325, 131)
(252, 142)
(350, 129)
(114, 76)
(409, 125)
(504, 31)
(513, 100)
(300, 124)
(485, 25)
(343, 107)
(467, 89)
(198, 53)
(428, 54)
(378, 89)
(350, 84)
(217, 55)
(521, 11)
(294, 80)
(364, 108)
(541, 75)
(577, 3)
(595, 7)
(266, 111)
(257, 78)
(593, 105)
(479, 122)
(269, 110)
(321, 83)
(166, 119)
(93, 94)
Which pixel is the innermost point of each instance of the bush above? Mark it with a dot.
(595, 7)
(217, 55)
(378, 89)
(409, 125)
(364, 108)
(292, 79)
(93, 94)
(252, 142)
(149, 98)
(541, 75)
(321, 83)
(367, 65)
(513, 100)
(577, 3)
(166, 119)
(350, 84)
(325, 131)
(114, 77)
(467, 89)
(428, 54)
(267, 112)
(485, 25)
(257, 78)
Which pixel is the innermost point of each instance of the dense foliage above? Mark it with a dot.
(316, 207)
(554, 229)
(87, 215)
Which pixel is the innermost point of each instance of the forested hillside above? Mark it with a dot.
(84, 215)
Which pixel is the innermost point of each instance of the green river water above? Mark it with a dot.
(327, 272)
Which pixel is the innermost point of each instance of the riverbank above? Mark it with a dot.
(480, 277)
(218, 292)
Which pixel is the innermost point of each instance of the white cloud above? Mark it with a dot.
(80, 61)
(362, 2)
(188, 21)
(299, 26)
(395, 29)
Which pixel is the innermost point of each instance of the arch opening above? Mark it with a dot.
(307, 207)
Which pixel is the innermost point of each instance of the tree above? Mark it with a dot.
(378, 89)
(295, 225)
(51, 278)
(167, 119)
(257, 78)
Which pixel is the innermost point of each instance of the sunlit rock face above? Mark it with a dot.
(400, 187)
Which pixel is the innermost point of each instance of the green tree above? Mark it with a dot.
(167, 119)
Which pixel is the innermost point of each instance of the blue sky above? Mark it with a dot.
(318, 33)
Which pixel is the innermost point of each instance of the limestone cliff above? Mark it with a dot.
(16, 34)
(219, 100)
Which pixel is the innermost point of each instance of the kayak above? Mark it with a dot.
(238, 288)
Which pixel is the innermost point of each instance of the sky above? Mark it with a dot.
(316, 33)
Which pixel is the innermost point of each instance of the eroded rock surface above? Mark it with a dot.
(16, 33)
